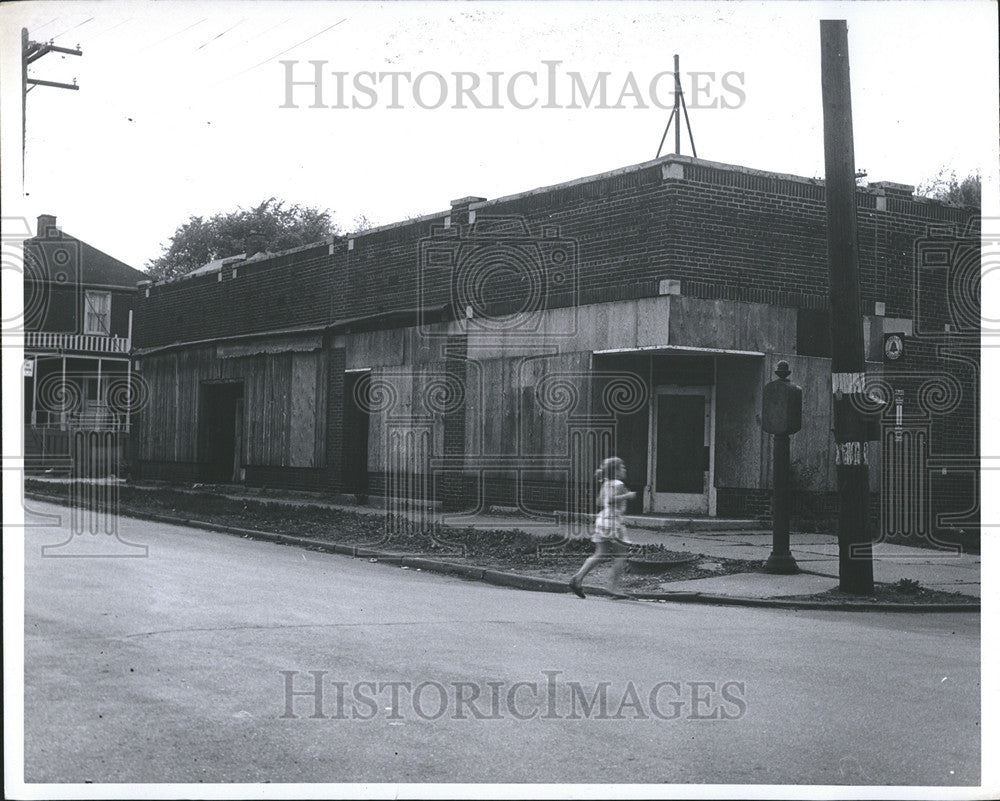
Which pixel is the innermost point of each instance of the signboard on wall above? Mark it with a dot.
(893, 347)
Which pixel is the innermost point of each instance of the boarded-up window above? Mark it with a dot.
(302, 444)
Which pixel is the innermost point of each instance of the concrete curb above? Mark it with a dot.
(517, 580)
(675, 523)
(788, 603)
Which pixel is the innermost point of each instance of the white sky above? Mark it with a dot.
(178, 111)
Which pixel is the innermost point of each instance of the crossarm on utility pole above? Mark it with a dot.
(30, 53)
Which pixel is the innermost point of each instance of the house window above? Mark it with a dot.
(97, 314)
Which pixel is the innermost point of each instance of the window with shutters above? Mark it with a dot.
(97, 313)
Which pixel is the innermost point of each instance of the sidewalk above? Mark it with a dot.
(816, 554)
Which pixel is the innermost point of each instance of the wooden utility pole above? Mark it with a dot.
(847, 337)
(30, 52)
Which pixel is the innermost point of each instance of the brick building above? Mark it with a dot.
(494, 352)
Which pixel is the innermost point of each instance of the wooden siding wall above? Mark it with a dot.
(502, 414)
(813, 451)
(739, 439)
(399, 400)
(284, 396)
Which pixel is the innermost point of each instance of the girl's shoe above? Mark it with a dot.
(574, 585)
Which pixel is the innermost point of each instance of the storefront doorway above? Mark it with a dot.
(681, 448)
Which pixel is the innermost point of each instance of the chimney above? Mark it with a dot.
(47, 226)
(462, 212)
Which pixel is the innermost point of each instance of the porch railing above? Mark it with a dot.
(90, 420)
(86, 343)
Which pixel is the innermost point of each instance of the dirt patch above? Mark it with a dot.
(904, 591)
(507, 549)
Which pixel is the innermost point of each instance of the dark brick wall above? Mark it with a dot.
(293, 478)
(282, 292)
(723, 233)
(452, 488)
(335, 417)
(809, 510)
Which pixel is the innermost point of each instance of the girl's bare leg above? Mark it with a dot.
(600, 553)
(618, 566)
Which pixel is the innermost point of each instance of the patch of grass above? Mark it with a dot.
(907, 586)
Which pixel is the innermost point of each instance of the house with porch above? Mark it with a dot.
(78, 382)
(492, 354)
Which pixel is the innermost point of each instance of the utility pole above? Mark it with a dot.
(31, 52)
(679, 105)
(847, 337)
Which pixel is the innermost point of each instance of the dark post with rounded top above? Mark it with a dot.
(781, 416)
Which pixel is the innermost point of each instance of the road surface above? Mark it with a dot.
(222, 659)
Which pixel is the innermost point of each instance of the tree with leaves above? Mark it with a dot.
(946, 186)
(270, 226)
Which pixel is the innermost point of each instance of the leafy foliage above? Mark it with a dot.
(362, 223)
(270, 226)
(946, 186)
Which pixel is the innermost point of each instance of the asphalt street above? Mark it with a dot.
(216, 658)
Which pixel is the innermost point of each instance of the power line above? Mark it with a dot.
(117, 25)
(46, 24)
(227, 30)
(176, 33)
(72, 29)
(267, 30)
(271, 58)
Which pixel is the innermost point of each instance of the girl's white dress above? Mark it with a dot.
(610, 523)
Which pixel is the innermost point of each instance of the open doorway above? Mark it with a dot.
(680, 433)
(221, 432)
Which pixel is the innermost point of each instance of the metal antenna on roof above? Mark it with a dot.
(679, 105)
